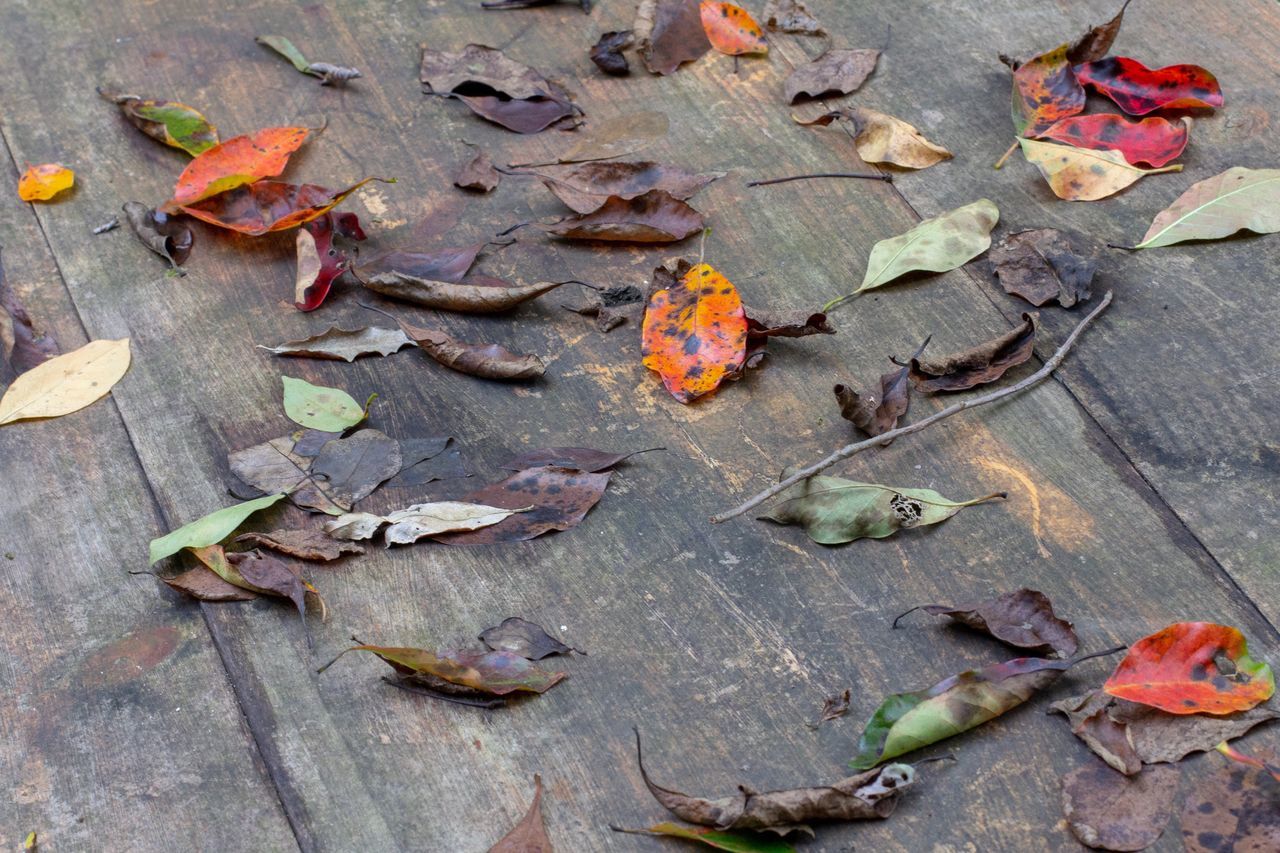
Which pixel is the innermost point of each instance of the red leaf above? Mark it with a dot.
(1138, 90)
(265, 206)
(240, 160)
(1154, 141)
(730, 29)
(319, 262)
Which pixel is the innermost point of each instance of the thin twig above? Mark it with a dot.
(857, 447)
(870, 176)
(1012, 148)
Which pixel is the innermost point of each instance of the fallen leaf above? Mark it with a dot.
(488, 361)
(1235, 809)
(451, 264)
(730, 29)
(670, 33)
(496, 88)
(287, 49)
(716, 839)
(607, 52)
(450, 296)
(1107, 810)
(908, 721)
(284, 465)
(344, 344)
(577, 458)
(268, 575)
(1097, 40)
(348, 469)
(560, 499)
(586, 187)
(882, 138)
(876, 414)
(865, 796)
(1081, 174)
(319, 264)
(305, 544)
(43, 182)
(523, 638)
(791, 16)
(169, 238)
(613, 306)
(490, 673)
(238, 161)
(977, 365)
(21, 346)
(1127, 735)
(617, 136)
(834, 510)
(1138, 90)
(1235, 755)
(208, 530)
(1191, 668)
(786, 324)
(408, 525)
(427, 460)
(202, 584)
(1023, 618)
(935, 245)
(833, 707)
(529, 4)
(170, 122)
(266, 206)
(478, 174)
(318, 407)
(1041, 266)
(66, 383)
(654, 217)
(695, 332)
(1238, 199)
(529, 835)
(839, 70)
(329, 73)
(1045, 90)
(1154, 141)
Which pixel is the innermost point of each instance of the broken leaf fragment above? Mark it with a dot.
(530, 834)
(837, 71)
(66, 383)
(318, 407)
(496, 88)
(478, 173)
(541, 499)
(1041, 266)
(695, 332)
(305, 544)
(21, 346)
(43, 182)
(791, 16)
(524, 638)
(1238, 199)
(170, 122)
(168, 237)
(978, 365)
(939, 244)
(587, 186)
(344, 344)
(1082, 174)
(1023, 618)
(607, 52)
(208, 530)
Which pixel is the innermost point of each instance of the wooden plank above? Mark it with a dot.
(119, 726)
(718, 641)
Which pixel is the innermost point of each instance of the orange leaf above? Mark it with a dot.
(695, 333)
(731, 30)
(41, 183)
(238, 161)
(270, 205)
(1192, 668)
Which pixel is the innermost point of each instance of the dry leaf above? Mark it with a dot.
(654, 217)
(450, 296)
(67, 383)
(1107, 810)
(488, 361)
(408, 525)
(478, 174)
(305, 544)
(1040, 265)
(586, 187)
(344, 344)
(978, 365)
(529, 835)
(169, 238)
(882, 138)
(669, 33)
(21, 347)
(1082, 174)
(791, 16)
(203, 584)
(499, 89)
(559, 498)
(524, 638)
(1237, 809)
(876, 414)
(607, 52)
(1023, 618)
(838, 71)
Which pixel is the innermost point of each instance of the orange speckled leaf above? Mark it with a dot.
(731, 30)
(41, 183)
(270, 205)
(695, 333)
(238, 161)
(1045, 89)
(1192, 668)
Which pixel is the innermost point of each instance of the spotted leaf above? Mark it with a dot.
(1045, 90)
(731, 30)
(1080, 174)
(1154, 141)
(1138, 90)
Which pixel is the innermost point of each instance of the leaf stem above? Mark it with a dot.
(1000, 163)
(870, 176)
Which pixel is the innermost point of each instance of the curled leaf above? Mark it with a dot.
(882, 138)
(202, 584)
(266, 206)
(267, 575)
(1023, 618)
(490, 673)
(66, 383)
(607, 52)
(169, 238)
(548, 499)
(344, 344)
(240, 160)
(837, 71)
(612, 306)
(43, 182)
(1107, 810)
(21, 346)
(977, 365)
(1096, 41)
(170, 122)
(587, 186)
(877, 413)
(731, 29)
(523, 638)
(695, 332)
(654, 217)
(1238, 199)
(935, 245)
(208, 530)
(1041, 266)
(318, 407)
(451, 296)
(488, 361)
(1138, 90)
(1081, 174)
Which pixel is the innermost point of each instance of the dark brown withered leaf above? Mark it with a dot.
(426, 460)
(281, 465)
(21, 347)
(1094, 44)
(576, 458)
(791, 16)
(1023, 618)
(613, 306)
(478, 173)
(529, 835)
(607, 52)
(1040, 266)
(560, 497)
(1235, 809)
(350, 468)
(328, 478)
(305, 544)
(838, 71)
(527, 639)
(451, 264)
(833, 707)
(202, 584)
(655, 217)
(786, 324)
(468, 298)
(877, 413)
(670, 33)
(584, 187)
(868, 795)
(1107, 810)
(979, 365)
(168, 237)
(266, 574)
(488, 361)
(499, 89)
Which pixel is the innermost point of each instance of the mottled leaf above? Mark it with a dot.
(523, 638)
(1238, 199)
(1023, 618)
(731, 29)
(618, 136)
(1107, 810)
(478, 173)
(791, 16)
(344, 344)
(43, 182)
(577, 458)
(318, 407)
(1081, 174)
(66, 383)
(209, 529)
(427, 460)
(408, 525)
(607, 52)
(716, 839)
(1045, 90)
(1041, 266)
(838, 71)
(1154, 141)
(238, 161)
(305, 544)
(695, 332)
(586, 187)
(170, 122)
(1235, 809)
(491, 673)
(496, 88)
(654, 217)
(935, 245)
(977, 365)
(669, 34)
(451, 296)
(169, 238)
(266, 206)
(560, 499)
(1138, 90)
(21, 346)
(529, 835)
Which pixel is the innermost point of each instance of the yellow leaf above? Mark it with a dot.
(41, 183)
(1081, 174)
(67, 383)
(884, 138)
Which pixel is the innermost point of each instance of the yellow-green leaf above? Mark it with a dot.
(67, 383)
(318, 407)
(1238, 199)
(210, 529)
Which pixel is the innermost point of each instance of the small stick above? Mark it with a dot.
(870, 176)
(111, 223)
(858, 446)
(1012, 148)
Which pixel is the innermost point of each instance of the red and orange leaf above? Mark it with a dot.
(1192, 668)
(1138, 90)
(269, 205)
(695, 333)
(43, 182)
(1154, 141)
(731, 30)
(1045, 90)
(238, 161)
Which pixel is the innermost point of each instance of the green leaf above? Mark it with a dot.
(285, 48)
(731, 841)
(935, 245)
(211, 529)
(834, 510)
(318, 407)
(1239, 199)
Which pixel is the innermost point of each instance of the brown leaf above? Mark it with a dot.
(618, 136)
(1235, 809)
(787, 324)
(1097, 40)
(450, 264)
(329, 479)
(488, 361)
(613, 306)
(466, 672)
(169, 238)
(882, 138)
(269, 575)
(524, 638)
(426, 460)
(305, 544)
(833, 707)
(1125, 733)
(21, 348)
(655, 217)
(478, 173)
(979, 365)
(467, 298)
(1040, 266)
(280, 465)
(669, 34)
(529, 835)
(560, 497)
(202, 584)
(867, 795)
(344, 344)
(607, 52)
(1023, 618)
(877, 414)
(838, 71)
(791, 16)
(1107, 810)
(495, 87)
(576, 458)
(587, 186)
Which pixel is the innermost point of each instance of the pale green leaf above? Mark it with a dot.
(285, 48)
(935, 245)
(210, 529)
(1239, 199)
(318, 407)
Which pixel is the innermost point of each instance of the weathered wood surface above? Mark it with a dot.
(718, 641)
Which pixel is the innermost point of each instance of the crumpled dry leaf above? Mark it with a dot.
(882, 138)
(876, 414)
(669, 33)
(977, 365)
(791, 16)
(838, 71)
(480, 298)
(865, 796)
(478, 173)
(833, 707)
(169, 238)
(408, 525)
(305, 544)
(607, 52)
(1235, 809)
(524, 638)
(613, 306)
(654, 217)
(1107, 810)
(560, 499)
(615, 137)
(1023, 618)
(499, 89)
(477, 672)
(66, 383)
(21, 347)
(488, 361)
(529, 835)
(344, 344)
(1040, 265)
(270, 576)
(587, 186)
(786, 324)
(265, 206)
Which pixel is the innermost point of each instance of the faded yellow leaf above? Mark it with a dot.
(43, 182)
(67, 383)
(1081, 174)
(882, 138)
